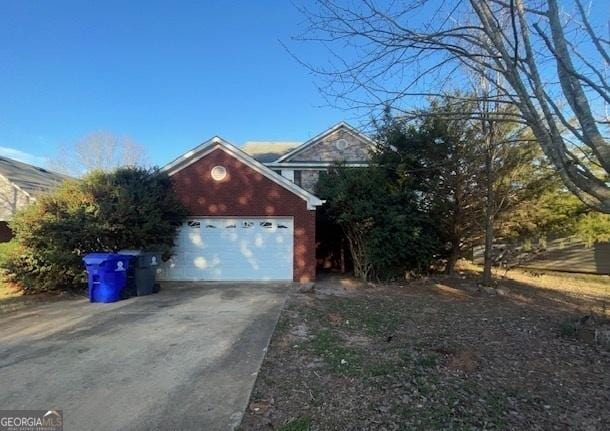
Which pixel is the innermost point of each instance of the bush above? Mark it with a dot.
(7, 251)
(388, 234)
(593, 227)
(106, 211)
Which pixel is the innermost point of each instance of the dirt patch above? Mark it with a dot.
(464, 360)
(432, 354)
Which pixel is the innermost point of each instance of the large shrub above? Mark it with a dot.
(106, 211)
(388, 234)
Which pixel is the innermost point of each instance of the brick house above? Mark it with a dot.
(253, 221)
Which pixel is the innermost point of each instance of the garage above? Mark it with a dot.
(233, 249)
(245, 222)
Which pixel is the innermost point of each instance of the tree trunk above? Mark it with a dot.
(489, 235)
(454, 255)
(489, 202)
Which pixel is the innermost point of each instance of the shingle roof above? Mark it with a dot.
(31, 179)
(268, 151)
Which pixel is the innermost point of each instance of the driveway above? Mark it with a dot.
(184, 359)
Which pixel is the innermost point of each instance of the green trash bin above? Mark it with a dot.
(144, 266)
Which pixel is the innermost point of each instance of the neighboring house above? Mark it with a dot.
(568, 254)
(250, 221)
(20, 184)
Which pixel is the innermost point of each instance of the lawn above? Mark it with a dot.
(7, 291)
(435, 354)
(13, 299)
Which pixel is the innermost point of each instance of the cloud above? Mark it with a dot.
(22, 156)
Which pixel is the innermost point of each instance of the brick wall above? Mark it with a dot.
(246, 193)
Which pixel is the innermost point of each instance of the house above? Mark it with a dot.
(20, 184)
(340, 143)
(254, 221)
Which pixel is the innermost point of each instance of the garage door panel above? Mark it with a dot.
(232, 249)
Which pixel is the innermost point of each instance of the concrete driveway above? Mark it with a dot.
(184, 359)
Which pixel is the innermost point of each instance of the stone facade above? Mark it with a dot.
(326, 150)
(309, 179)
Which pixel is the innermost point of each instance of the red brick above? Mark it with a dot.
(246, 193)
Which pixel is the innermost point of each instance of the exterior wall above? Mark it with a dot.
(309, 179)
(289, 174)
(325, 150)
(11, 199)
(246, 193)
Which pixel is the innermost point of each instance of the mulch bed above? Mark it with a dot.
(434, 354)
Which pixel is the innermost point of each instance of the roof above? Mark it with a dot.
(30, 179)
(216, 142)
(268, 151)
(315, 139)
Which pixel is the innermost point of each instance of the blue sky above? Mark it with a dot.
(167, 74)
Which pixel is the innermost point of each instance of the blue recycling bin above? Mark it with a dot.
(106, 276)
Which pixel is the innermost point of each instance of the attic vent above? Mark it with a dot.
(341, 144)
(219, 173)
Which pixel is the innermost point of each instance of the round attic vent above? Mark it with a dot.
(218, 173)
(341, 144)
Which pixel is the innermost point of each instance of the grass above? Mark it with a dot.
(361, 316)
(341, 358)
(588, 292)
(567, 329)
(418, 357)
(7, 291)
(301, 424)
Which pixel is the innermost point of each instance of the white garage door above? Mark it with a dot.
(236, 249)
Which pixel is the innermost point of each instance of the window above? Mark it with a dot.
(297, 178)
(218, 173)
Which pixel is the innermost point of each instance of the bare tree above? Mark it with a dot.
(99, 150)
(553, 62)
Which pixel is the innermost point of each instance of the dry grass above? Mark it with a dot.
(586, 293)
(8, 291)
(436, 353)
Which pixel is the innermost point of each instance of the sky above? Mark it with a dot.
(169, 75)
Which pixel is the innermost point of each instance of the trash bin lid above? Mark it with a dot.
(142, 259)
(96, 258)
(130, 252)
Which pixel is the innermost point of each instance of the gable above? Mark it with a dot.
(243, 191)
(340, 143)
(244, 168)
